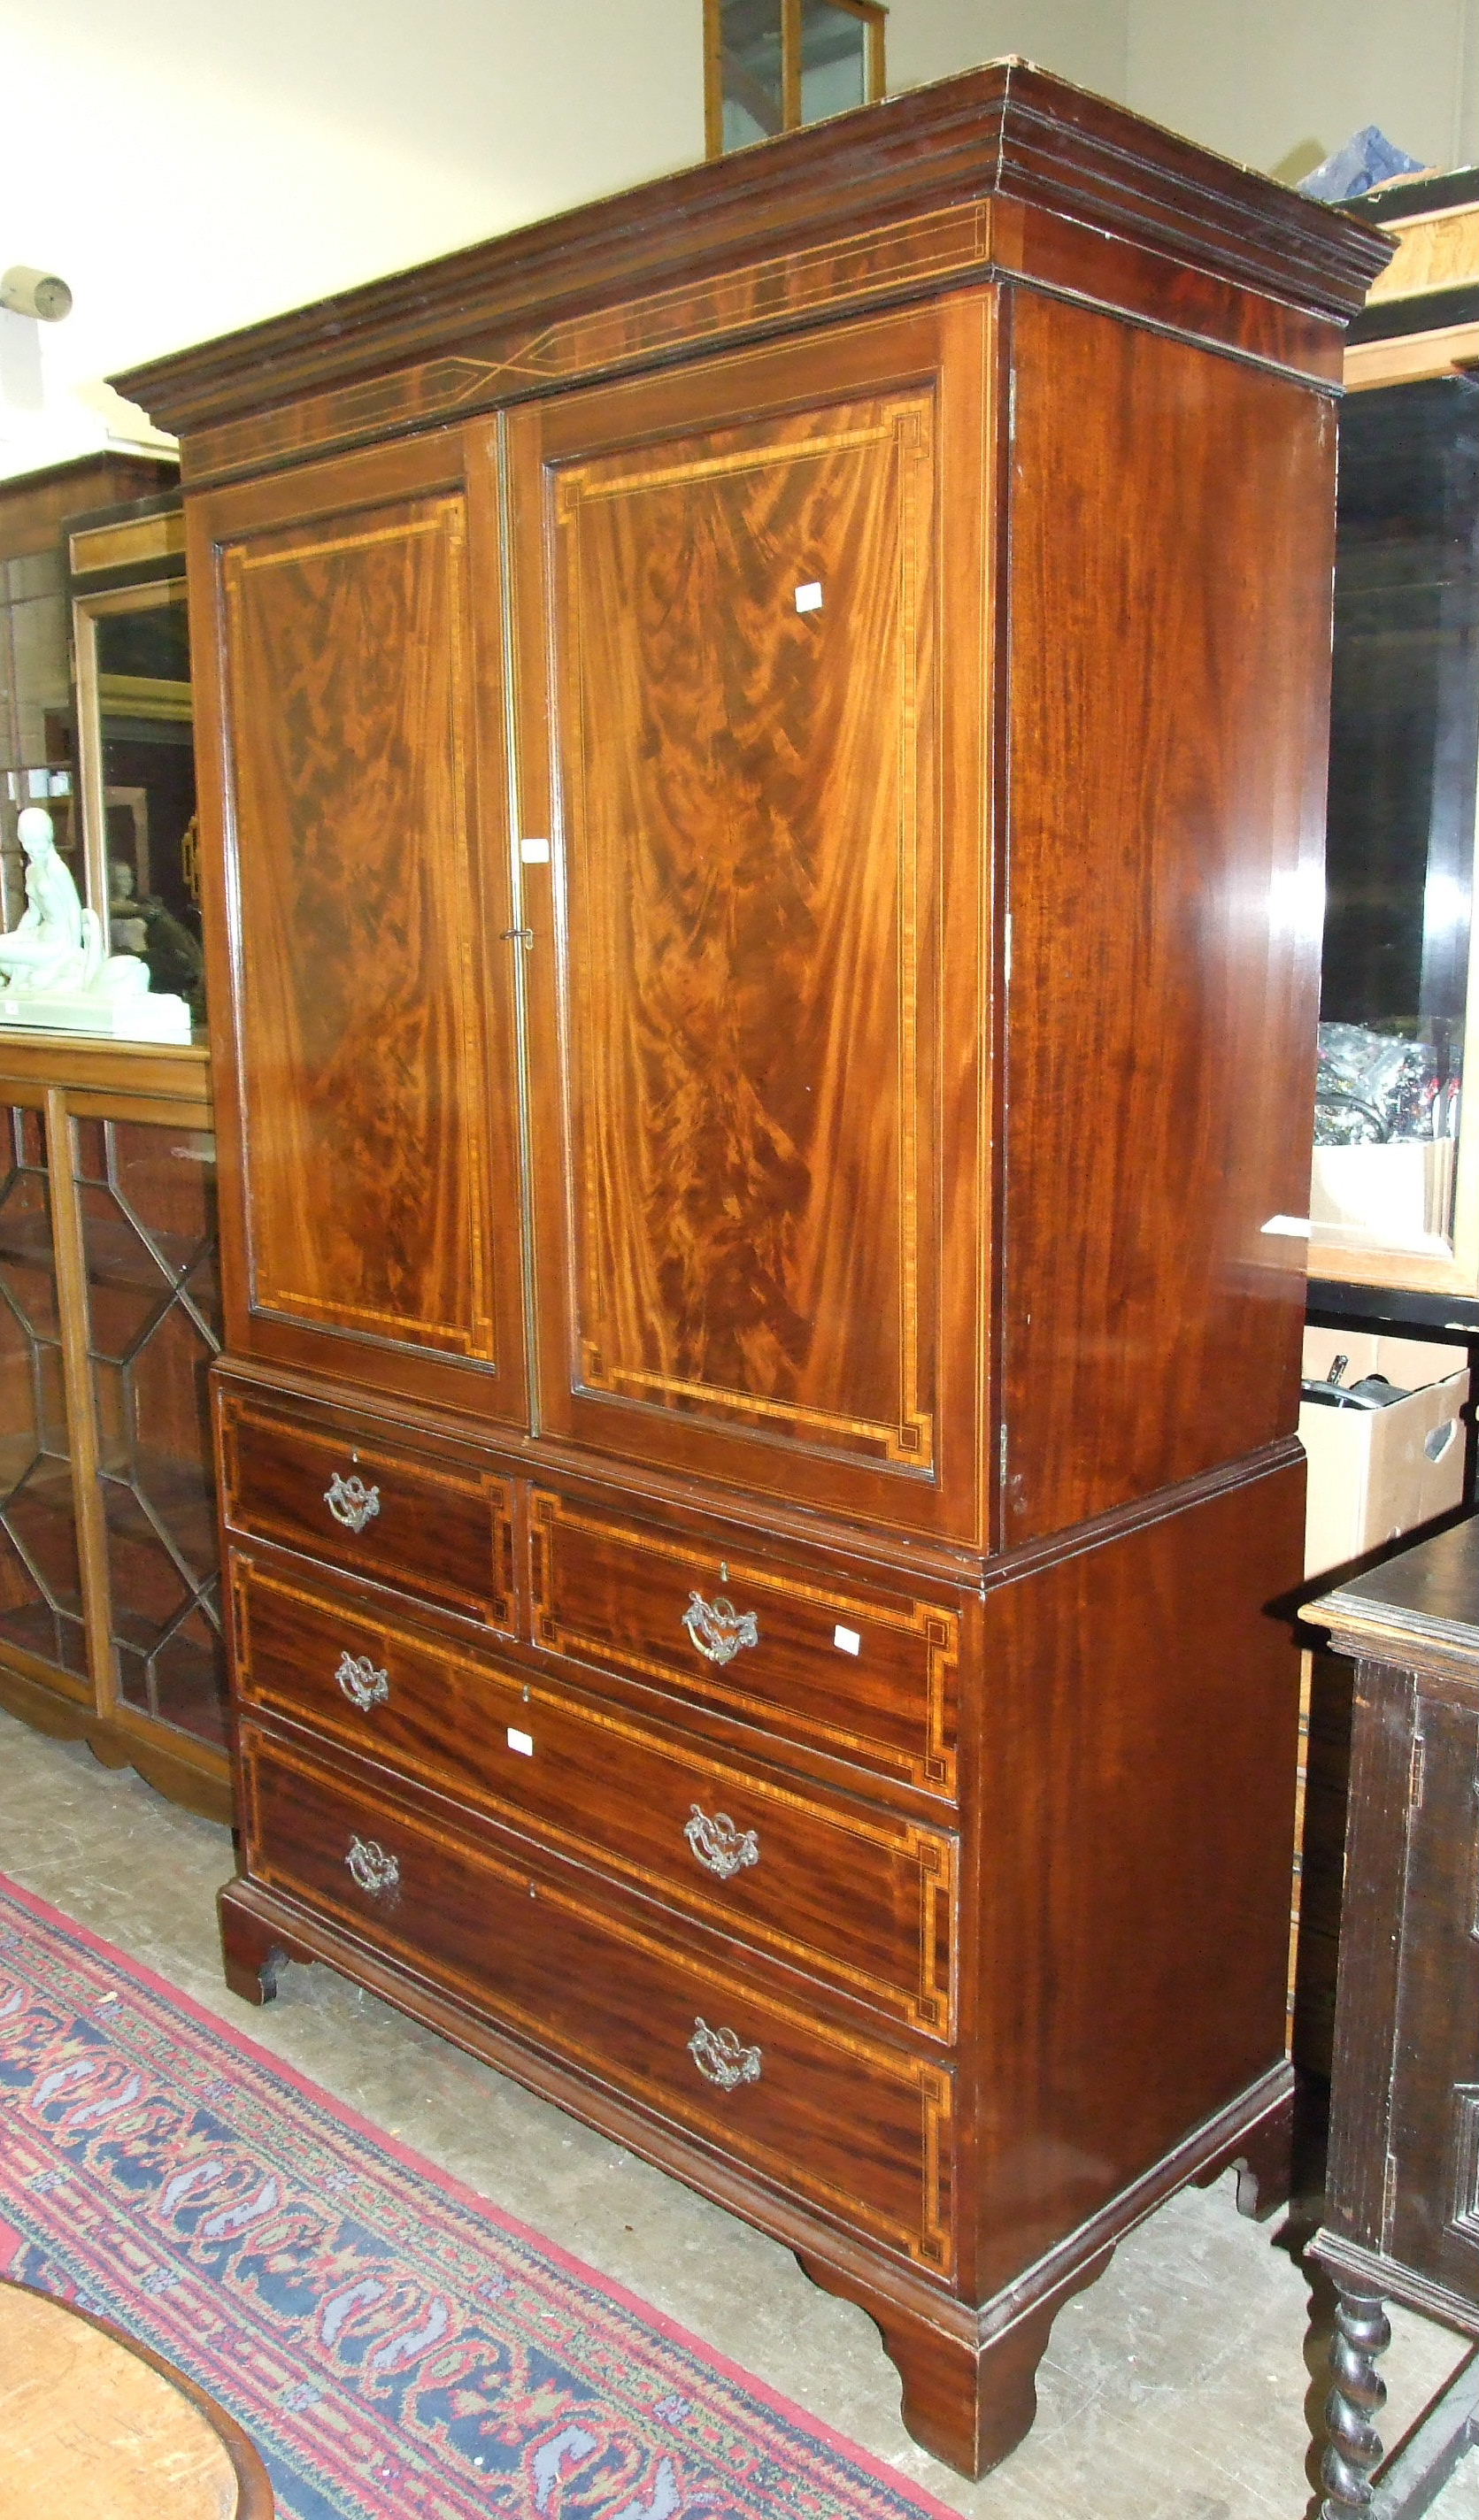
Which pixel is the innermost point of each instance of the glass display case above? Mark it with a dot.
(110, 1609)
(38, 714)
(774, 65)
(135, 754)
(1394, 1197)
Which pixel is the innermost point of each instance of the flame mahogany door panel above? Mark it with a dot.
(757, 1075)
(370, 1158)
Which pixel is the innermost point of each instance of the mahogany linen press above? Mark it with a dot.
(762, 771)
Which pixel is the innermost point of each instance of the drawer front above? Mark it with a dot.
(857, 2128)
(869, 1677)
(863, 1898)
(437, 1529)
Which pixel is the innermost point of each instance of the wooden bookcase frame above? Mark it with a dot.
(874, 17)
(67, 1079)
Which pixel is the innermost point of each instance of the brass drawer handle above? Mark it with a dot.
(721, 2058)
(373, 1869)
(363, 1686)
(720, 1847)
(718, 1629)
(350, 1501)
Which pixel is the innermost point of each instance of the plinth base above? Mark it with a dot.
(141, 1017)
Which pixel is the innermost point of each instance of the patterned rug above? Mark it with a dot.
(396, 2347)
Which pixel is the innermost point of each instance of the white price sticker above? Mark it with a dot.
(847, 1640)
(521, 1742)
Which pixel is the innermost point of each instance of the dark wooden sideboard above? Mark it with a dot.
(1401, 2207)
(761, 780)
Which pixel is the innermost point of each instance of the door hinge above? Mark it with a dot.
(1416, 1773)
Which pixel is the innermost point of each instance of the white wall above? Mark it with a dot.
(1084, 40)
(189, 166)
(1276, 83)
(1280, 83)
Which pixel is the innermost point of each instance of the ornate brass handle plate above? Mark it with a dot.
(350, 1501)
(721, 2058)
(720, 1847)
(363, 1686)
(718, 1629)
(373, 1869)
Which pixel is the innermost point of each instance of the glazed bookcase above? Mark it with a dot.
(110, 1627)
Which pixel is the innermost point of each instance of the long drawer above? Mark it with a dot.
(856, 2126)
(862, 1896)
(438, 1528)
(861, 1672)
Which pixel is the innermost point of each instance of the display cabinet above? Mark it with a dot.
(771, 66)
(38, 723)
(1394, 1213)
(135, 750)
(108, 1611)
(110, 1617)
(109, 1621)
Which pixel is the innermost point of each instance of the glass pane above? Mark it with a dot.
(148, 1199)
(35, 677)
(144, 704)
(750, 33)
(834, 60)
(35, 717)
(40, 1566)
(1404, 750)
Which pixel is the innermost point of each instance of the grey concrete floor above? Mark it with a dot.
(1173, 2389)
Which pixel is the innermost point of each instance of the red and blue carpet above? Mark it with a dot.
(396, 2347)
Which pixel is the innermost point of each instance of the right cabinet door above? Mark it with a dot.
(752, 799)
(350, 719)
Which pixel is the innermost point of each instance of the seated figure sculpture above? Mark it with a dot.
(55, 944)
(54, 969)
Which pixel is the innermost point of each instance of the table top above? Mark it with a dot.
(1425, 1601)
(90, 2422)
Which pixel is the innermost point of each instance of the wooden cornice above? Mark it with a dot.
(1005, 134)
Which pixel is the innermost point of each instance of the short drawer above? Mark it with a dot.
(381, 1511)
(862, 1674)
(863, 1897)
(858, 2128)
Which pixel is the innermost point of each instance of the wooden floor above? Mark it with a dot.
(88, 2426)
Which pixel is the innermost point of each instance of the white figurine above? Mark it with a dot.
(54, 973)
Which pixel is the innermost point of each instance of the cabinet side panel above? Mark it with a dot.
(1171, 554)
(1138, 1834)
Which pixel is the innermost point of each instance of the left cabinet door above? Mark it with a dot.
(352, 789)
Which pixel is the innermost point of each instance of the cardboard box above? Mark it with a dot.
(1378, 1473)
